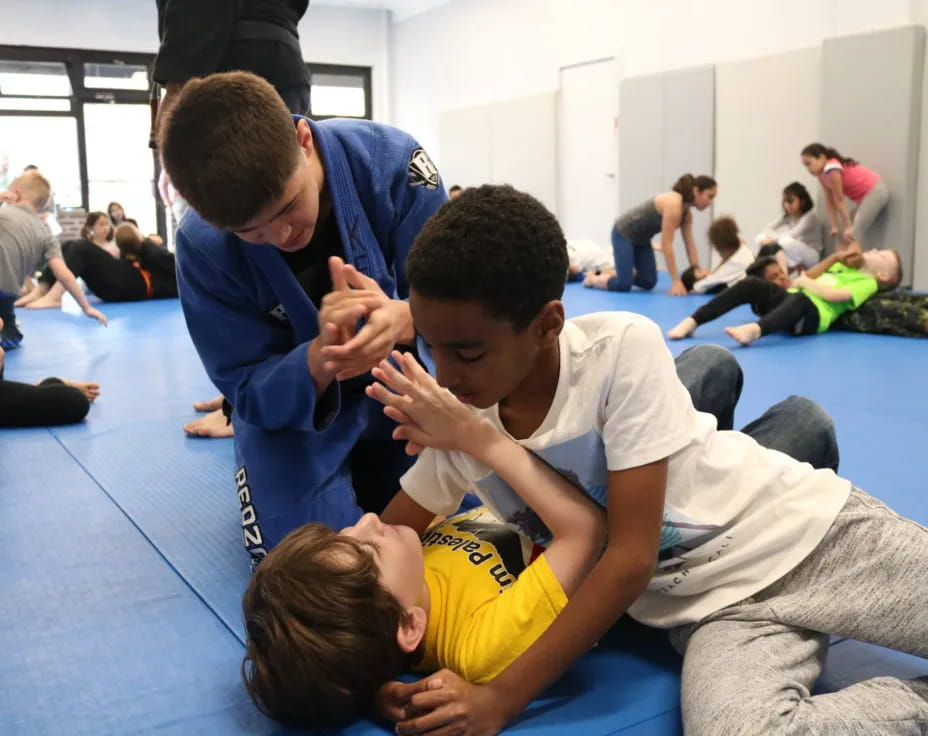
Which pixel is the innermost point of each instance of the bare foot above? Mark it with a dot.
(213, 424)
(598, 280)
(686, 328)
(745, 334)
(210, 405)
(46, 302)
(37, 293)
(90, 390)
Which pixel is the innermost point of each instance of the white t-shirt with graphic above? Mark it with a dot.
(737, 517)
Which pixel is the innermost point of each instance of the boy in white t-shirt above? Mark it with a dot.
(747, 556)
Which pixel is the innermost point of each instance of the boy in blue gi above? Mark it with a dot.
(299, 234)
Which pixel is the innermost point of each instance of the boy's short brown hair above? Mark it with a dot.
(34, 188)
(893, 281)
(128, 239)
(321, 630)
(723, 234)
(229, 145)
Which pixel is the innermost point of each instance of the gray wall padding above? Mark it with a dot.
(871, 111)
(464, 147)
(523, 145)
(767, 110)
(667, 128)
(920, 267)
(510, 142)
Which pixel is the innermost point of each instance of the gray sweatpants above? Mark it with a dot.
(750, 668)
(868, 209)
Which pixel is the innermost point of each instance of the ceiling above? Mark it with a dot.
(401, 8)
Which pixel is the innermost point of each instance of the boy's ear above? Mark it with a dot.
(550, 320)
(410, 632)
(304, 136)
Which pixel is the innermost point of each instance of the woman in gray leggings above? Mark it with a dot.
(843, 177)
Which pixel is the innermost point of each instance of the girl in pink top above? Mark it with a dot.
(843, 177)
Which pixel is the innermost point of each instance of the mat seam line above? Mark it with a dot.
(148, 539)
(643, 720)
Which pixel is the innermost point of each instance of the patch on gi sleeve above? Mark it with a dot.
(422, 172)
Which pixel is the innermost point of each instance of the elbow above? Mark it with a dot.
(636, 566)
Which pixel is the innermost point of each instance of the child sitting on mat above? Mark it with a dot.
(796, 237)
(24, 241)
(332, 616)
(841, 282)
(735, 255)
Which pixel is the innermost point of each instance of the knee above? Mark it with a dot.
(810, 416)
(719, 363)
(647, 282)
(620, 282)
(75, 407)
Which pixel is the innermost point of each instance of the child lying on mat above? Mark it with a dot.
(49, 403)
(840, 283)
(332, 616)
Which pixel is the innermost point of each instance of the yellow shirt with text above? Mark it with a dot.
(488, 603)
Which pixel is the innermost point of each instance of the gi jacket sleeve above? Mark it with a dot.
(248, 356)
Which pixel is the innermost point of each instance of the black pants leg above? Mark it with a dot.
(111, 279)
(296, 98)
(762, 295)
(795, 314)
(49, 404)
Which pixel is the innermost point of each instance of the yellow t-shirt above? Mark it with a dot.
(487, 604)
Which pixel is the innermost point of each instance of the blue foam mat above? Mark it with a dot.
(179, 494)
(98, 634)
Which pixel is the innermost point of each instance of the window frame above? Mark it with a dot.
(366, 74)
(74, 61)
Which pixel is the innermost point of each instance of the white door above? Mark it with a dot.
(588, 150)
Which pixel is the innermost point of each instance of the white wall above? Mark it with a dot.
(328, 35)
(472, 52)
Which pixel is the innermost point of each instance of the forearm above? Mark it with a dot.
(819, 268)
(843, 213)
(69, 283)
(670, 259)
(691, 251)
(830, 207)
(604, 596)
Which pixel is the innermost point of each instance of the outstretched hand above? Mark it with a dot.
(677, 288)
(97, 315)
(428, 415)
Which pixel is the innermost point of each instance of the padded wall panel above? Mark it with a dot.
(920, 266)
(766, 110)
(688, 134)
(641, 153)
(871, 110)
(523, 144)
(464, 142)
(666, 128)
